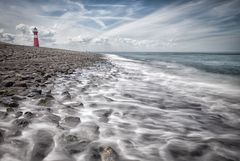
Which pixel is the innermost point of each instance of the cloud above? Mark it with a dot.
(79, 39)
(199, 25)
(23, 29)
(6, 37)
(24, 35)
(178, 25)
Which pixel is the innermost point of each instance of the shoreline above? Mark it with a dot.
(26, 70)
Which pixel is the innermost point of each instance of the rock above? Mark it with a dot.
(9, 102)
(21, 123)
(7, 92)
(10, 109)
(103, 112)
(98, 153)
(87, 131)
(93, 154)
(20, 84)
(73, 104)
(13, 132)
(47, 101)
(66, 95)
(8, 84)
(1, 136)
(76, 147)
(28, 115)
(27, 77)
(47, 76)
(52, 118)
(18, 98)
(108, 154)
(38, 91)
(19, 143)
(34, 93)
(71, 138)
(72, 121)
(43, 145)
(3, 115)
(18, 114)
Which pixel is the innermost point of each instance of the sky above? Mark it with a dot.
(124, 25)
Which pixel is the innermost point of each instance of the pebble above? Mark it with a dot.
(72, 121)
(43, 145)
(21, 123)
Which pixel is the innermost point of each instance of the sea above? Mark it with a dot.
(145, 107)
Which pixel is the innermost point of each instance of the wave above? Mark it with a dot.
(143, 110)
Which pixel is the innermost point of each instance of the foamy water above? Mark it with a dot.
(158, 112)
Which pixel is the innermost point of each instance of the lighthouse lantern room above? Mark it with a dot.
(35, 40)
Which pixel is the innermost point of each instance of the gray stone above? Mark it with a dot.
(13, 132)
(72, 121)
(108, 154)
(103, 112)
(52, 118)
(20, 84)
(10, 109)
(1, 136)
(3, 115)
(28, 115)
(21, 123)
(8, 84)
(18, 114)
(18, 98)
(71, 138)
(47, 101)
(43, 145)
(76, 147)
(99, 153)
(66, 95)
(88, 131)
(9, 102)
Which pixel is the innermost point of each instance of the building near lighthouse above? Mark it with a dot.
(35, 40)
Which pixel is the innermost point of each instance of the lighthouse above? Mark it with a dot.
(35, 40)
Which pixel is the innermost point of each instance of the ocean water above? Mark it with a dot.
(146, 107)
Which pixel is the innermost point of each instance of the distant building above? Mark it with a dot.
(35, 40)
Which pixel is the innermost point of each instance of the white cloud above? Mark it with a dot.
(23, 29)
(80, 39)
(176, 26)
(6, 37)
(189, 26)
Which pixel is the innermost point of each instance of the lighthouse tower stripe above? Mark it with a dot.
(35, 36)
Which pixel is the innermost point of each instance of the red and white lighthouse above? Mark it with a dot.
(35, 40)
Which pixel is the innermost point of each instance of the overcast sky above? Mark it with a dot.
(127, 25)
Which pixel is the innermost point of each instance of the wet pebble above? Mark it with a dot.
(9, 102)
(10, 109)
(1, 136)
(88, 131)
(76, 147)
(3, 115)
(43, 144)
(8, 84)
(21, 123)
(99, 153)
(72, 121)
(28, 115)
(52, 118)
(103, 112)
(47, 101)
(108, 154)
(18, 114)
(66, 95)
